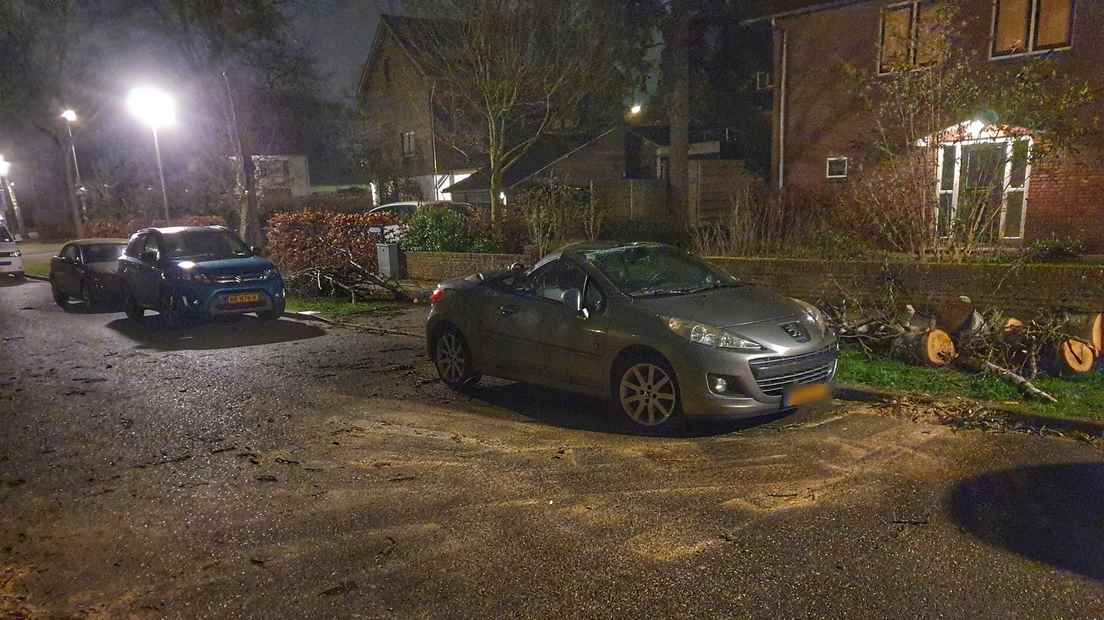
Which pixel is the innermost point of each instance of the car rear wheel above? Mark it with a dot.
(134, 311)
(453, 359)
(647, 393)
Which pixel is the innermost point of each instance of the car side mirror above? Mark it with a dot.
(148, 256)
(254, 250)
(573, 299)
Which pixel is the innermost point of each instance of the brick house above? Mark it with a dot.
(396, 99)
(818, 119)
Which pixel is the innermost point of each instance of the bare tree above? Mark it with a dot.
(507, 72)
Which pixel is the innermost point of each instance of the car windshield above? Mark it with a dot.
(655, 270)
(5, 236)
(209, 244)
(102, 252)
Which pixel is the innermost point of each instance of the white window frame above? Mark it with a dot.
(1032, 24)
(408, 141)
(763, 80)
(1009, 142)
(828, 167)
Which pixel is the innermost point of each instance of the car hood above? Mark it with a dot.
(230, 266)
(103, 268)
(725, 307)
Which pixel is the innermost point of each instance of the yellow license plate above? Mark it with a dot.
(243, 298)
(806, 394)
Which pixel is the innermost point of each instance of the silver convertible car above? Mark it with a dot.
(660, 333)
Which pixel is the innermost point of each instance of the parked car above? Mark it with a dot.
(659, 332)
(11, 259)
(87, 269)
(197, 272)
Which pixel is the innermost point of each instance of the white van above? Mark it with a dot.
(11, 259)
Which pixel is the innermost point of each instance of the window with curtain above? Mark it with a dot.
(1027, 26)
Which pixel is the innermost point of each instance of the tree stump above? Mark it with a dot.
(1074, 357)
(934, 348)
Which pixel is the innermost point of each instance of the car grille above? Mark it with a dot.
(7, 253)
(235, 279)
(775, 374)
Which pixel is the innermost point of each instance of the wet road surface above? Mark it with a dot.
(293, 470)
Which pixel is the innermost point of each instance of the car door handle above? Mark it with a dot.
(507, 310)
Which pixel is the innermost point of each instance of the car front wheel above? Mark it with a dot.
(647, 393)
(60, 298)
(88, 297)
(453, 359)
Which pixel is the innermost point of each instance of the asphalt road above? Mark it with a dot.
(287, 470)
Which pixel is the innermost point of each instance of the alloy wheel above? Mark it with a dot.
(452, 362)
(647, 394)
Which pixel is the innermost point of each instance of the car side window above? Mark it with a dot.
(71, 252)
(134, 248)
(151, 246)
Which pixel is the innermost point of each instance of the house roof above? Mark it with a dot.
(762, 10)
(405, 31)
(547, 150)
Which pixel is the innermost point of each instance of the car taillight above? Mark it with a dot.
(437, 296)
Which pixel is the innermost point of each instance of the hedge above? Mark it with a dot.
(125, 228)
(302, 239)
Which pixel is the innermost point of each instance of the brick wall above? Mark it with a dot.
(1023, 290)
(437, 266)
(1066, 200)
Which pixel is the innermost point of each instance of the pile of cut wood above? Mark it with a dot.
(959, 334)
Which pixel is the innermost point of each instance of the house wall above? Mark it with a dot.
(601, 160)
(396, 100)
(824, 118)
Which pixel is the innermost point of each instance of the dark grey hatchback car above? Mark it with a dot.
(659, 332)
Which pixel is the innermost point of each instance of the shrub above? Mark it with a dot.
(1054, 250)
(438, 230)
(304, 239)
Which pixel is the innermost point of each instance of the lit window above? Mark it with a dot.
(909, 36)
(408, 144)
(1027, 26)
(836, 168)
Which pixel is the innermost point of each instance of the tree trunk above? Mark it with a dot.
(931, 348)
(679, 112)
(496, 199)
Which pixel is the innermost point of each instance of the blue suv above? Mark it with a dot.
(197, 272)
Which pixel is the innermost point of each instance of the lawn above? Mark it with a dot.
(1078, 397)
(338, 308)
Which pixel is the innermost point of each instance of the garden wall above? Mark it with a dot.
(1021, 290)
(439, 266)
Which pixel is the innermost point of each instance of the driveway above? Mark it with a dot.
(294, 470)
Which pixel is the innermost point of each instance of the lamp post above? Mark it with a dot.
(156, 109)
(70, 117)
(8, 189)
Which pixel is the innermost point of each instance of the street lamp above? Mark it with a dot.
(71, 117)
(156, 109)
(635, 109)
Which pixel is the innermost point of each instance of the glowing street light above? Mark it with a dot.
(70, 117)
(635, 109)
(156, 109)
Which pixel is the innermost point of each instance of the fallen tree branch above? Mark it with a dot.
(1025, 386)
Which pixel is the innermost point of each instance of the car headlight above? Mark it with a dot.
(814, 316)
(198, 278)
(710, 336)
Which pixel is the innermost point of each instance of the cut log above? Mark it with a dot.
(955, 316)
(1075, 357)
(933, 348)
